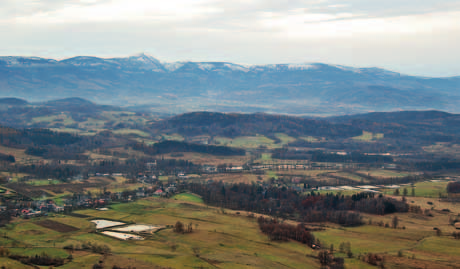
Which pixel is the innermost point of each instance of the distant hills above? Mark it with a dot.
(402, 131)
(314, 89)
(235, 125)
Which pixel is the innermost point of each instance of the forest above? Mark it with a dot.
(289, 204)
(178, 146)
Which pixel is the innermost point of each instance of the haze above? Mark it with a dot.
(414, 37)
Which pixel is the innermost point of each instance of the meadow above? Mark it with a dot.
(229, 239)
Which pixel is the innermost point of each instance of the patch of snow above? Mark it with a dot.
(348, 68)
(101, 223)
(137, 228)
(301, 66)
(236, 67)
(173, 66)
(123, 236)
(368, 187)
(205, 66)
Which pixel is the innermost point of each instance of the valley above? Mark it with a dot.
(372, 189)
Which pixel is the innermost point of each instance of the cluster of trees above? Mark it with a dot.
(366, 202)
(17, 137)
(456, 235)
(90, 246)
(170, 146)
(5, 218)
(285, 203)
(373, 259)
(283, 232)
(453, 187)
(435, 165)
(42, 260)
(180, 228)
(327, 259)
(7, 158)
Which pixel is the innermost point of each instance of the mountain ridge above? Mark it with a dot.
(310, 88)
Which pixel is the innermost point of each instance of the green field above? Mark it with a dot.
(248, 142)
(368, 136)
(424, 189)
(187, 197)
(266, 157)
(61, 118)
(131, 132)
(41, 182)
(175, 137)
(285, 139)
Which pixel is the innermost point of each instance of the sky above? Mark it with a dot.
(417, 37)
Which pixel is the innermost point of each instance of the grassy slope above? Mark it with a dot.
(229, 240)
(225, 239)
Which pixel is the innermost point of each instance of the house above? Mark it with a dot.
(182, 176)
(209, 169)
(158, 192)
(234, 169)
(140, 192)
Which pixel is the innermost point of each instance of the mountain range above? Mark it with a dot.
(142, 80)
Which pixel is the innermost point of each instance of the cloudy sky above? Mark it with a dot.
(419, 37)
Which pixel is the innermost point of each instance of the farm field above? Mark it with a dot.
(131, 132)
(427, 189)
(285, 139)
(381, 173)
(201, 158)
(19, 155)
(248, 142)
(368, 136)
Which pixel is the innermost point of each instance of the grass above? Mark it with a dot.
(188, 197)
(20, 155)
(247, 142)
(201, 158)
(131, 132)
(266, 157)
(310, 139)
(285, 139)
(368, 136)
(41, 182)
(424, 189)
(385, 173)
(175, 137)
(271, 174)
(351, 177)
(61, 118)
